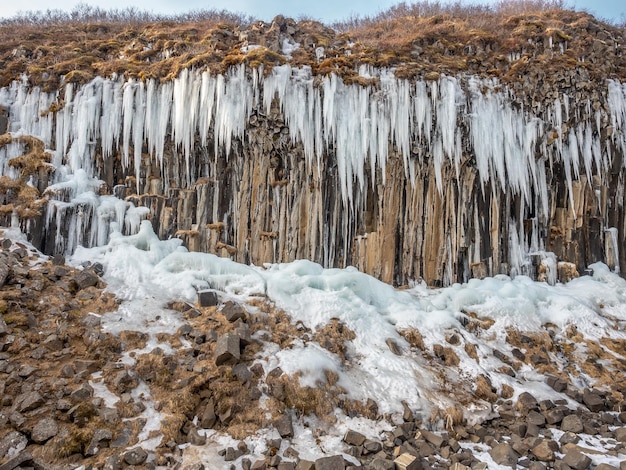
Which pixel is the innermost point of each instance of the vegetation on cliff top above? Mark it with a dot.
(422, 39)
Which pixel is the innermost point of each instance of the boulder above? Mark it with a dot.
(545, 450)
(86, 278)
(620, 434)
(572, 423)
(45, 429)
(577, 460)
(407, 461)
(284, 426)
(31, 401)
(135, 456)
(503, 454)
(334, 462)
(101, 438)
(526, 402)
(227, 349)
(233, 312)
(353, 438)
(207, 298)
(593, 401)
(12, 444)
(195, 438)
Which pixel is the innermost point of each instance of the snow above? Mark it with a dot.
(145, 271)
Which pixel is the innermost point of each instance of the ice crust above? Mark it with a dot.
(146, 272)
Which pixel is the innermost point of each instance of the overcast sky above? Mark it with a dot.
(323, 10)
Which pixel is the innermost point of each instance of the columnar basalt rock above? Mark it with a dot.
(437, 177)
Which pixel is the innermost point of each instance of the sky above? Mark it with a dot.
(323, 10)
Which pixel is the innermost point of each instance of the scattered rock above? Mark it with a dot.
(45, 429)
(407, 461)
(233, 312)
(572, 423)
(503, 454)
(135, 456)
(207, 298)
(86, 278)
(195, 438)
(353, 438)
(545, 450)
(593, 401)
(334, 462)
(12, 444)
(577, 460)
(284, 426)
(31, 401)
(101, 438)
(227, 349)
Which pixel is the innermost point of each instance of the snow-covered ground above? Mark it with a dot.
(147, 273)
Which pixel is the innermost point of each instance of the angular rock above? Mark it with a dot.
(407, 461)
(545, 450)
(286, 466)
(86, 278)
(606, 466)
(436, 440)
(334, 462)
(233, 312)
(227, 349)
(45, 429)
(231, 454)
(208, 419)
(353, 438)
(557, 384)
(284, 426)
(195, 438)
(4, 272)
(305, 465)
(503, 454)
(207, 298)
(101, 438)
(576, 460)
(113, 463)
(17, 461)
(620, 434)
(124, 382)
(593, 401)
(82, 394)
(259, 465)
(526, 402)
(536, 418)
(553, 416)
(4, 329)
(242, 372)
(135, 456)
(31, 401)
(12, 443)
(572, 423)
(372, 446)
(380, 463)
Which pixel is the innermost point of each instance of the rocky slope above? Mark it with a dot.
(76, 391)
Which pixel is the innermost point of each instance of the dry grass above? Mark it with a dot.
(422, 39)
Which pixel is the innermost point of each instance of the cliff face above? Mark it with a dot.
(442, 176)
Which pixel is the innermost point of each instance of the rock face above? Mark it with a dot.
(442, 179)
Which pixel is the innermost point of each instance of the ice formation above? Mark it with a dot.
(448, 123)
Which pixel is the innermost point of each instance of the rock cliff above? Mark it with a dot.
(449, 149)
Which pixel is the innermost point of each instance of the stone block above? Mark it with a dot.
(207, 298)
(407, 461)
(227, 350)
